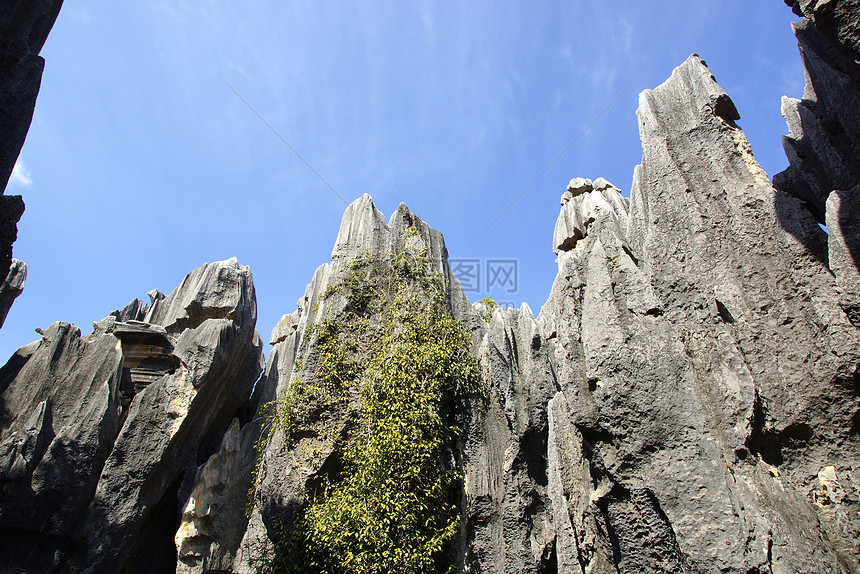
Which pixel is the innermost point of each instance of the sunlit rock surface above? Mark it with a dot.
(687, 399)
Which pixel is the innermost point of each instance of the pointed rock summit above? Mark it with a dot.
(581, 204)
(686, 401)
(98, 432)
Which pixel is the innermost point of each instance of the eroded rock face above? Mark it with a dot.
(215, 540)
(24, 27)
(60, 414)
(843, 241)
(12, 287)
(772, 358)
(824, 132)
(507, 514)
(99, 431)
(507, 509)
(687, 400)
(824, 127)
(581, 204)
(839, 22)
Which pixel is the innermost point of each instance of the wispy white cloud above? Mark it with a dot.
(20, 175)
(622, 36)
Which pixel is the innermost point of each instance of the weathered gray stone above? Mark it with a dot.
(96, 432)
(686, 401)
(839, 22)
(221, 290)
(613, 361)
(172, 422)
(824, 127)
(285, 477)
(12, 287)
(580, 209)
(695, 455)
(773, 359)
(508, 515)
(134, 311)
(507, 511)
(214, 517)
(59, 414)
(24, 27)
(581, 537)
(843, 241)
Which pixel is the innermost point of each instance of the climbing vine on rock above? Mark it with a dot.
(398, 362)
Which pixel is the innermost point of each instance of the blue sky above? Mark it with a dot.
(141, 163)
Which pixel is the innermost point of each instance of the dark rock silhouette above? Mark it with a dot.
(24, 27)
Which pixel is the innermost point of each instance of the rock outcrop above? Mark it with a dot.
(839, 22)
(12, 287)
(24, 27)
(580, 209)
(98, 432)
(212, 537)
(771, 357)
(687, 400)
(823, 145)
(843, 248)
(824, 128)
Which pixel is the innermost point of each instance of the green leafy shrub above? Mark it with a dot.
(405, 361)
(489, 304)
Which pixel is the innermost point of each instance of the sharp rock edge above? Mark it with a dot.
(24, 27)
(685, 401)
(101, 435)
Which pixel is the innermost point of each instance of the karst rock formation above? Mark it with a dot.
(686, 401)
(24, 27)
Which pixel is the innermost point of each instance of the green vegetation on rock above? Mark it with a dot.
(393, 363)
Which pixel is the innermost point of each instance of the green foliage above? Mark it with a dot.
(405, 361)
(489, 304)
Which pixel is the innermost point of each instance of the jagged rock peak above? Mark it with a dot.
(686, 401)
(577, 186)
(363, 230)
(580, 185)
(692, 82)
(11, 287)
(97, 432)
(738, 268)
(213, 535)
(218, 290)
(839, 22)
(582, 203)
(823, 127)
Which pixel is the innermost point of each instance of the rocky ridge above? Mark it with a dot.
(101, 433)
(687, 400)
